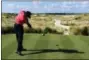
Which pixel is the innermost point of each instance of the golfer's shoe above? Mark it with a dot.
(19, 53)
(24, 49)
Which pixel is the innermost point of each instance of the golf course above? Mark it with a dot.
(44, 30)
(55, 44)
(50, 46)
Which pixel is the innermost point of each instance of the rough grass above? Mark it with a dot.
(41, 21)
(48, 20)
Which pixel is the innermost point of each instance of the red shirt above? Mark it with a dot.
(20, 18)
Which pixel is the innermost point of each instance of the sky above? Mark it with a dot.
(46, 6)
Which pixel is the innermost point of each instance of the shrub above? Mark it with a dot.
(49, 30)
(77, 18)
(38, 30)
(26, 30)
(46, 30)
(85, 31)
(80, 31)
(31, 30)
(5, 30)
(75, 30)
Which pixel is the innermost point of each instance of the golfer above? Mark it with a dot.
(20, 19)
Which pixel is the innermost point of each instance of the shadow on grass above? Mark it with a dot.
(53, 50)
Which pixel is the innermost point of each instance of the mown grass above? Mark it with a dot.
(50, 46)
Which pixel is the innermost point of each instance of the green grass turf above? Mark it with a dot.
(44, 47)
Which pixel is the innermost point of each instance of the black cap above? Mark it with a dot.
(28, 13)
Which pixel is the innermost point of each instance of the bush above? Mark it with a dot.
(5, 30)
(38, 30)
(77, 18)
(80, 31)
(85, 31)
(32, 30)
(49, 30)
(75, 30)
(46, 30)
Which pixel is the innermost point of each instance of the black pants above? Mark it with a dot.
(19, 35)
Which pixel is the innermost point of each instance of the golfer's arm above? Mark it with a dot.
(29, 25)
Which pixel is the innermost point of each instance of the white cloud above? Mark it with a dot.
(84, 4)
(36, 2)
(10, 5)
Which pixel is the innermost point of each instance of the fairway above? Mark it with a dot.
(50, 46)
